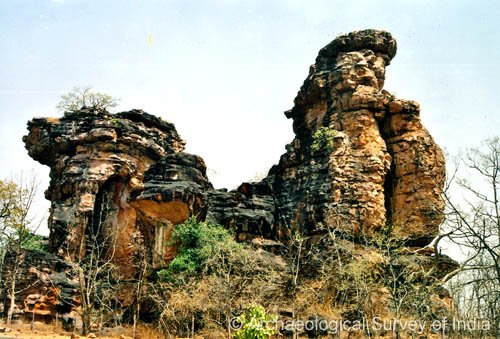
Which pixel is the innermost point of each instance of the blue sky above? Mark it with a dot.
(224, 71)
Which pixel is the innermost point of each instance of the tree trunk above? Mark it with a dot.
(192, 325)
(85, 322)
(33, 319)
(134, 327)
(12, 296)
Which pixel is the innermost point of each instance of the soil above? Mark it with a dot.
(40, 331)
(21, 334)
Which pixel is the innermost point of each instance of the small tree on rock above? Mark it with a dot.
(77, 98)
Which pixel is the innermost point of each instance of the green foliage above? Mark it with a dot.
(77, 98)
(16, 231)
(323, 138)
(11, 211)
(35, 242)
(202, 245)
(15, 202)
(255, 323)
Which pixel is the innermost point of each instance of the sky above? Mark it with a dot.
(225, 71)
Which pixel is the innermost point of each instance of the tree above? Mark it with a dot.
(205, 250)
(16, 229)
(140, 282)
(211, 277)
(94, 269)
(95, 276)
(473, 223)
(202, 247)
(85, 97)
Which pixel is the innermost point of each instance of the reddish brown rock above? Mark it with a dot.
(98, 163)
(43, 286)
(174, 189)
(381, 169)
(418, 174)
(361, 163)
(384, 169)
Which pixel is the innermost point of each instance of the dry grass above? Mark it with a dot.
(146, 332)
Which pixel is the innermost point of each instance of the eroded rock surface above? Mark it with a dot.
(361, 164)
(250, 210)
(383, 169)
(98, 165)
(174, 189)
(380, 171)
(44, 286)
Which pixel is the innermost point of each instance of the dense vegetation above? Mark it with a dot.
(202, 248)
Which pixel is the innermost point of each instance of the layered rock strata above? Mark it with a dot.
(43, 286)
(378, 168)
(105, 174)
(361, 164)
(381, 169)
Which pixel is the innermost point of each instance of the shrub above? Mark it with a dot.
(36, 242)
(323, 139)
(202, 245)
(211, 277)
(255, 323)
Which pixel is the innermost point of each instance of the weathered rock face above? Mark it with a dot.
(98, 165)
(174, 189)
(361, 163)
(382, 169)
(44, 287)
(250, 210)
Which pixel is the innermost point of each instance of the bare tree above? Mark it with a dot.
(473, 224)
(95, 270)
(228, 277)
(140, 282)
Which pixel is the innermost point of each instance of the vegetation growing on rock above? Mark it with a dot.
(323, 139)
(201, 246)
(78, 98)
(325, 234)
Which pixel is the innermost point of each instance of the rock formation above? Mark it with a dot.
(361, 163)
(383, 168)
(98, 163)
(46, 287)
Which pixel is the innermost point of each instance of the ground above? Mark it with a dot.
(47, 331)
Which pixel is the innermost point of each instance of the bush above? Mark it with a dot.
(211, 277)
(323, 139)
(36, 242)
(255, 323)
(78, 98)
(202, 245)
